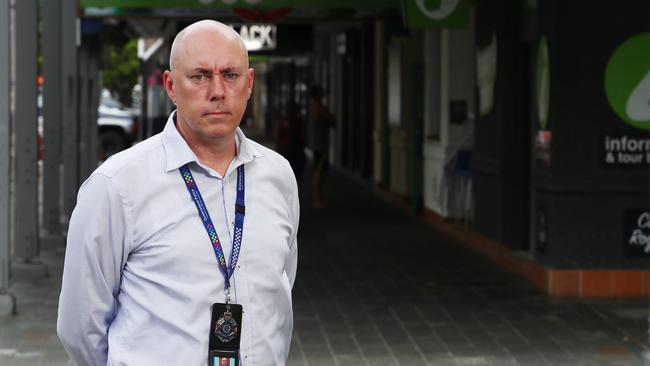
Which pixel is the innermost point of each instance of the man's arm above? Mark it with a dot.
(292, 259)
(95, 256)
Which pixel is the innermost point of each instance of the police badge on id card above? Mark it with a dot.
(225, 333)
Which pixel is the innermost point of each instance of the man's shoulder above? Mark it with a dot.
(268, 155)
(272, 164)
(139, 156)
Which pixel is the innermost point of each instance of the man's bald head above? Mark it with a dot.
(227, 33)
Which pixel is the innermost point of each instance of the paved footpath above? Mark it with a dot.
(377, 286)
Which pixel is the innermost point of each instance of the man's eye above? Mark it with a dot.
(230, 76)
(199, 77)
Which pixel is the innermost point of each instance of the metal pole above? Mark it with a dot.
(7, 305)
(25, 129)
(52, 100)
(69, 128)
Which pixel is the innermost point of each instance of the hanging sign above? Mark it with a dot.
(257, 37)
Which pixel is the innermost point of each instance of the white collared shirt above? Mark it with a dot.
(140, 274)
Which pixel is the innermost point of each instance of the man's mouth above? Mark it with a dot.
(216, 113)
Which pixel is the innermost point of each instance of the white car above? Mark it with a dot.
(117, 127)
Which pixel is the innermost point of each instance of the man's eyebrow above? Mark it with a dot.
(228, 69)
(225, 69)
(200, 70)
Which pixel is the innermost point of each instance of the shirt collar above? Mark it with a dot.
(178, 152)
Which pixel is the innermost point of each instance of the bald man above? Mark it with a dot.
(183, 248)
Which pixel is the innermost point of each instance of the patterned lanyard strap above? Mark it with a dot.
(209, 227)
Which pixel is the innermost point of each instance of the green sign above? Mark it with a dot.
(627, 81)
(239, 3)
(542, 81)
(437, 13)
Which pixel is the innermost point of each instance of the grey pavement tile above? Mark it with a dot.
(295, 356)
(419, 331)
(464, 351)
(431, 346)
(530, 358)
(345, 349)
(368, 338)
(319, 352)
(312, 340)
(451, 335)
(318, 361)
(381, 361)
(375, 351)
(439, 359)
(349, 360)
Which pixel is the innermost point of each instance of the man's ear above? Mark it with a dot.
(251, 79)
(168, 83)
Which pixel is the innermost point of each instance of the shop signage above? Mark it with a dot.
(257, 37)
(437, 13)
(636, 229)
(267, 4)
(626, 151)
(627, 81)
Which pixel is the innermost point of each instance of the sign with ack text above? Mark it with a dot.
(257, 37)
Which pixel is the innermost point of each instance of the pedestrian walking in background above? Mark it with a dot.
(320, 122)
(290, 141)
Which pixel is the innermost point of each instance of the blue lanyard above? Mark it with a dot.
(209, 227)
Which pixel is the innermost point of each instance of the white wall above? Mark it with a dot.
(450, 75)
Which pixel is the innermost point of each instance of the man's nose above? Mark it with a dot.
(217, 90)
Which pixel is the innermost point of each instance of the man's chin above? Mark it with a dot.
(221, 132)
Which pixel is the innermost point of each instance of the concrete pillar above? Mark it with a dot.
(88, 103)
(69, 126)
(7, 303)
(94, 88)
(84, 123)
(52, 105)
(25, 129)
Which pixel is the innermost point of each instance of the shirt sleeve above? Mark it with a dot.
(292, 259)
(94, 258)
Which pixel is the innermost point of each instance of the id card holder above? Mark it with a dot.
(225, 334)
(223, 358)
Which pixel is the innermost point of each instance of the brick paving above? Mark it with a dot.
(377, 286)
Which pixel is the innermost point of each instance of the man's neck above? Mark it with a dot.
(216, 156)
(215, 153)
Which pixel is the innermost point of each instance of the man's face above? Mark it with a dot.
(210, 84)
